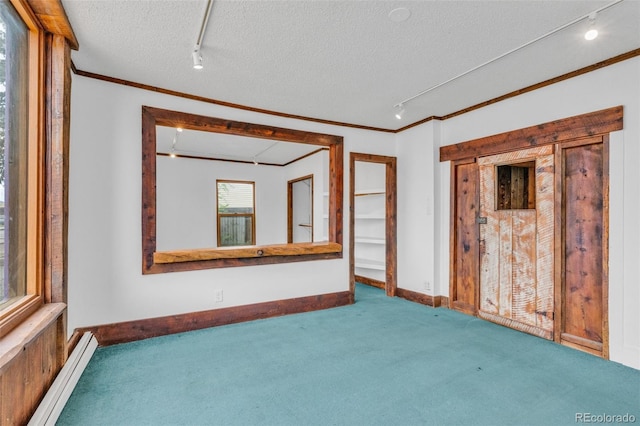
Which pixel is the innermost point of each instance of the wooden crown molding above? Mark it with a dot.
(584, 70)
(567, 76)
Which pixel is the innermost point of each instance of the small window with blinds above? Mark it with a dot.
(235, 213)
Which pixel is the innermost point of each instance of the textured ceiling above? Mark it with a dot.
(229, 147)
(345, 61)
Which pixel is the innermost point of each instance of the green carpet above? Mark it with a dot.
(381, 361)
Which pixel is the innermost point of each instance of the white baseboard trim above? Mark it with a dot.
(56, 398)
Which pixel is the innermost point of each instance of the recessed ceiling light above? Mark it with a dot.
(400, 14)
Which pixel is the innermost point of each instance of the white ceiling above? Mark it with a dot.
(196, 143)
(346, 60)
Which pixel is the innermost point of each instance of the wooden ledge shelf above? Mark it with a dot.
(177, 256)
(14, 343)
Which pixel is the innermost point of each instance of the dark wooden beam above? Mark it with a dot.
(594, 123)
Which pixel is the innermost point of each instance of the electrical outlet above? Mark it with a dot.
(428, 286)
(218, 296)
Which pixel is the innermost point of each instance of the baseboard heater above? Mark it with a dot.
(56, 398)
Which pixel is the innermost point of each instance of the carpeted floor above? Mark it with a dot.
(381, 361)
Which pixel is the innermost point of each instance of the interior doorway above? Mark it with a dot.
(300, 210)
(372, 230)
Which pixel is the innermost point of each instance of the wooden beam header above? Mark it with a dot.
(54, 20)
(590, 124)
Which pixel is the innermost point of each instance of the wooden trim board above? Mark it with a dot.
(602, 64)
(391, 249)
(423, 299)
(129, 331)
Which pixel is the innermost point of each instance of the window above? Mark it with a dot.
(14, 155)
(23, 150)
(236, 213)
(516, 186)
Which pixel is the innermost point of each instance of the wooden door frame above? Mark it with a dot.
(563, 132)
(290, 206)
(391, 273)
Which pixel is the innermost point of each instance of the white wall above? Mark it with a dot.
(186, 201)
(422, 179)
(105, 280)
(318, 166)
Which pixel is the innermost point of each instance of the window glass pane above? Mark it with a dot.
(236, 231)
(235, 213)
(235, 197)
(13, 154)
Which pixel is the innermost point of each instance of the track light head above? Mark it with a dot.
(399, 111)
(197, 59)
(592, 32)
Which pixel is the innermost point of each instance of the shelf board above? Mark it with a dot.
(370, 217)
(372, 191)
(370, 240)
(370, 264)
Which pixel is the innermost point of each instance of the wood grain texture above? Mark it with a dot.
(523, 267)
(545, 231)
(30, 357)
(297, 249)
(583, 242)
(516, 325)
(518, 243)
(58, 107)
(463, 291)
(111, 334)
(370, 281)
(54, 20)
(423, 299)
(598, 122)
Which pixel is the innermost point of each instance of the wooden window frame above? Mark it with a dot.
(15, 313)
(251, 215)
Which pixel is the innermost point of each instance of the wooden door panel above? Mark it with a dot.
(545, 241)
(466, 238)
(516, 264)
(490, 252)
(504, 244)
(583, 243)
(523, 266)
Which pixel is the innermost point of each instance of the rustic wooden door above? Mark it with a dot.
(583, 289)
(517, 240)
(464, 245)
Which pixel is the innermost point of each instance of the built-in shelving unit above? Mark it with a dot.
(369, 230)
